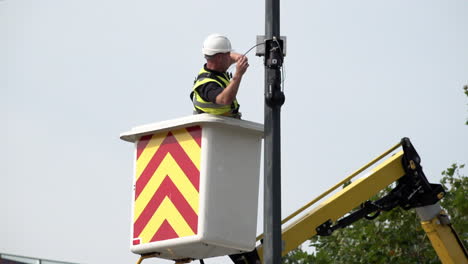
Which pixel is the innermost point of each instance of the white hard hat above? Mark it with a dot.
(216, 43)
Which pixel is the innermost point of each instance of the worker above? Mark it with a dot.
(214, 91)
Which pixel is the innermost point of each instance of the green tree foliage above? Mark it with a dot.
(393, 237)
(456, 200)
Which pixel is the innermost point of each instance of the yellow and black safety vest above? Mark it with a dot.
(202, 106)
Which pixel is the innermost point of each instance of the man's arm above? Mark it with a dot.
(234, 57)
(229, 93)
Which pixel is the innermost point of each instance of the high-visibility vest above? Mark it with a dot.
(202, 106)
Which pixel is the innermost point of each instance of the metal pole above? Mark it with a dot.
(274, 99)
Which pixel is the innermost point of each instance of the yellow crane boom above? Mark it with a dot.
(412, 190)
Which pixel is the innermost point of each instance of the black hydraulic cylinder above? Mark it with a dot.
(274, 99)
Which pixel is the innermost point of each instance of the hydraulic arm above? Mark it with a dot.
(412, 190)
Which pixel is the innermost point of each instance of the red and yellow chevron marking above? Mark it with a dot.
(167, 185)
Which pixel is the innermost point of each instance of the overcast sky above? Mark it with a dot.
(359, 76)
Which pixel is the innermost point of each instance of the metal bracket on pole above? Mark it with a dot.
(261, 39)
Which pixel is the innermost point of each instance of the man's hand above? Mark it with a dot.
(242, 65)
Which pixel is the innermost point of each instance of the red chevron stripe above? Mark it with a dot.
(195, 132)
(169, 145)
(142, 143)
(164, 232)
(166, 189)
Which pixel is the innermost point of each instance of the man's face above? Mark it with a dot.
(225, 60)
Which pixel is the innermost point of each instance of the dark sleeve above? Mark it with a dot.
(209, 91)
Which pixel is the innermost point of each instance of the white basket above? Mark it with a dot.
(195, 186)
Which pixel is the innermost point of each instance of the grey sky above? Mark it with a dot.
(359, 76)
